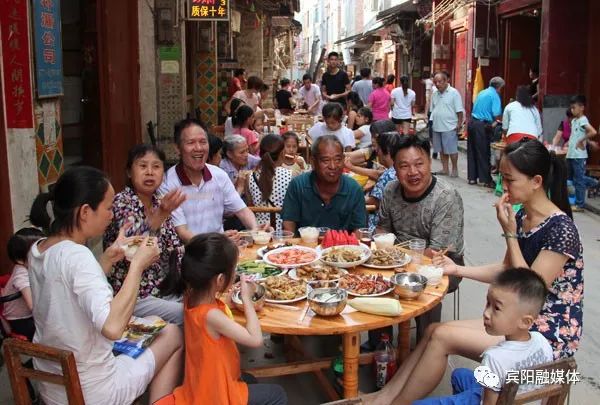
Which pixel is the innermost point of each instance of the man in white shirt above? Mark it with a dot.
(447, 117)
(209, 191)
(364, 87)
(311, 94)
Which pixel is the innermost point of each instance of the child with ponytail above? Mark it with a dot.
(212, 360)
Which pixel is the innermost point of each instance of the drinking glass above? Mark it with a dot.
(365, 235)
(417, 247)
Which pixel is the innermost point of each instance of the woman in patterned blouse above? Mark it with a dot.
(140, 204)
(541, 236)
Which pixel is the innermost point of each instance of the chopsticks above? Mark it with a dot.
(281, 306)
(304, 314)
(402, 244)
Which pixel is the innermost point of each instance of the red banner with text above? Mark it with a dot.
(16, 63)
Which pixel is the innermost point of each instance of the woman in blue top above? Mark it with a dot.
(541, 236)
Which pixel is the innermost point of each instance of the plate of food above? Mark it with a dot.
(345, 256)
(316, 272)
(366, 285)
(257, 269)
(261, 252)
(291, 256)
(283, 290)
(387, 258)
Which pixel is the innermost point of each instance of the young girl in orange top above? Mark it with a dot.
(212, 361)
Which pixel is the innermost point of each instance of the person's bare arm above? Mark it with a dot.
(184, 233)
(358, 134)
(289, 226)
(247, 217)
(459, 125)
(557, 138)
(26, 295)
(122, 305)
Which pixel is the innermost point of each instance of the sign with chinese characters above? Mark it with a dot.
(15, 60)
(208, 10)
(48, 48)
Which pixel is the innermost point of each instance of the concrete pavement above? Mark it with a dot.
(483, 245)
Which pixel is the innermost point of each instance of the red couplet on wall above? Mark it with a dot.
(16, 63)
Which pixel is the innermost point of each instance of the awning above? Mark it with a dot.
(361, 35)
(406, 7)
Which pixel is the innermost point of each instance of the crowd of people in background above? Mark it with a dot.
(190, 217)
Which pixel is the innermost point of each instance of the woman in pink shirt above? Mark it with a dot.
(379, 100)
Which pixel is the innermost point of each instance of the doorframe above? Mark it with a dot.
(115, 143)
(6, 219)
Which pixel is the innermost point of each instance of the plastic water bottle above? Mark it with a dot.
(384, 361)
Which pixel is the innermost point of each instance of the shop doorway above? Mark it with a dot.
(459, 71)
(80, 107)
(101, 106)
(521, 50)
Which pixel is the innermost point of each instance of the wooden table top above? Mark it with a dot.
(285, 319)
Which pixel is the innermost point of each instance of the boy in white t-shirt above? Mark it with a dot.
(514, 302)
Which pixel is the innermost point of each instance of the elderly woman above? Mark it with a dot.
(140, 207)
(237, 162)
(269, 183)
(73, 304)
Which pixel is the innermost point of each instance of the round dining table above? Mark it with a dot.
(294, 320)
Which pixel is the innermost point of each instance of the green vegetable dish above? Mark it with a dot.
(258, 269)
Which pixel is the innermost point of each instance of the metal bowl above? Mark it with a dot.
(408, 285)
(327, 307)
(258, 298)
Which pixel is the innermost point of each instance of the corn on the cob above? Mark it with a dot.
(377, 306)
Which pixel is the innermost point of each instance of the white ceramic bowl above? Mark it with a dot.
(365, 254)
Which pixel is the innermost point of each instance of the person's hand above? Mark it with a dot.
(265, 227)
(506, 215)
(242, 180)
(247, 288)
(450, 268)
(172, 200)
(580, 144)
(146, 254)
(348, 163)
(233, 235)
(115, 252)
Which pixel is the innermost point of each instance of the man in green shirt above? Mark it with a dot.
(325, 197)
